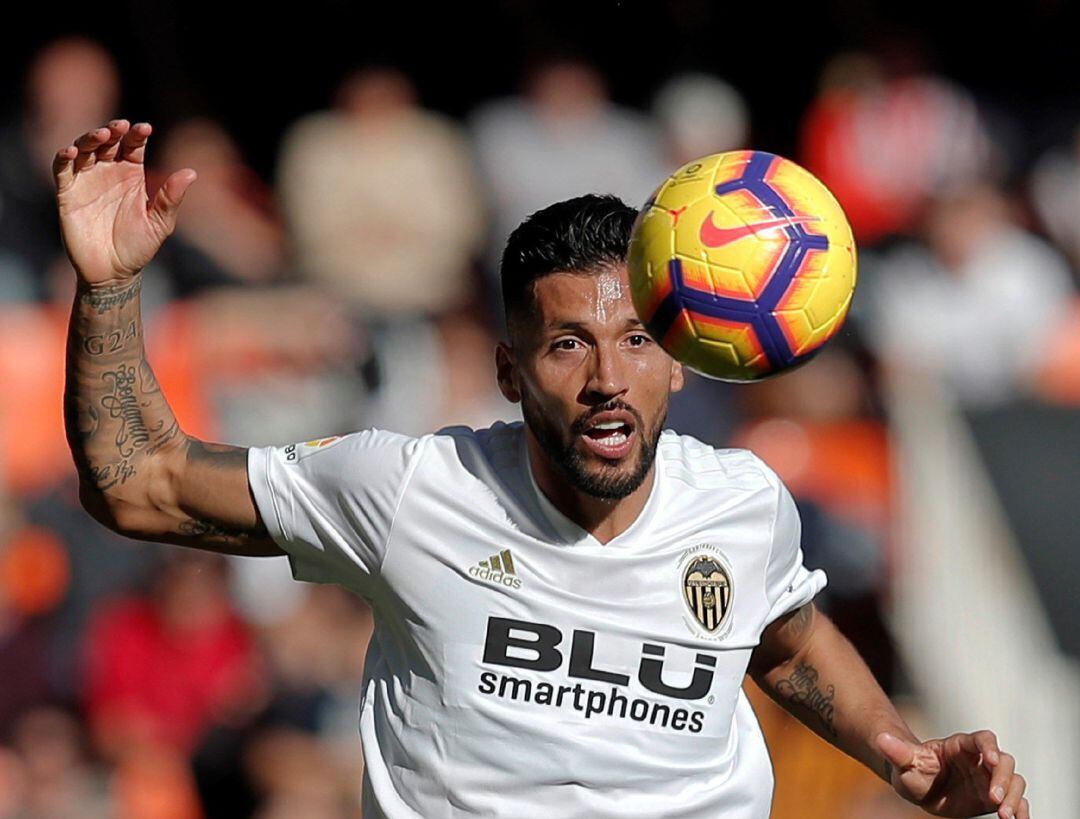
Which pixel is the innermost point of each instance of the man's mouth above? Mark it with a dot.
(610, 435)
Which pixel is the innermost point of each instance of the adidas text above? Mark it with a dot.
(496, 577)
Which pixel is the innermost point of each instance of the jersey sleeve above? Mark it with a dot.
(788, 583)
(330, 503)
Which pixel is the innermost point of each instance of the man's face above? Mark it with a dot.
(593, 385)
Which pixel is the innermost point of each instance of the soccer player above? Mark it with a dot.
(565, 608)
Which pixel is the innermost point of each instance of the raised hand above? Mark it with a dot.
(961, 775)
(110, 228)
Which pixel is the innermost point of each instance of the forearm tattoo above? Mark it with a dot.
(116, 418)
(114, 412)
(802, 688)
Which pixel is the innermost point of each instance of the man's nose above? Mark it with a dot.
(607, 374)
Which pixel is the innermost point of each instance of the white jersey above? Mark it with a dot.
(521, 668)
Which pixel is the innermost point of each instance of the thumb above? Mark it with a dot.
(167, 200)
(899, 752)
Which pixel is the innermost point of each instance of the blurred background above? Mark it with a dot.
(335, 268)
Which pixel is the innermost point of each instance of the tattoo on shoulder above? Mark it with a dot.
(802, 688)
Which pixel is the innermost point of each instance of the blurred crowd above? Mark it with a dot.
(359, 288)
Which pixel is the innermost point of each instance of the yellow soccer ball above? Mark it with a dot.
(742, 265)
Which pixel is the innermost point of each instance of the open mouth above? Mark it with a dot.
(610, 435)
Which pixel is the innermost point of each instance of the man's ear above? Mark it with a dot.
(506, 373)
(677, 378)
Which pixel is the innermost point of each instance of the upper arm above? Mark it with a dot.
(784, 638)
(197, 494)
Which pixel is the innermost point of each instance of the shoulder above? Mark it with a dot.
(370, 454)
(463, 441)
(448, 442)
(455, 461)
(702, 466)
(371, 438)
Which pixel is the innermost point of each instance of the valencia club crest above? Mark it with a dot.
(707, 589)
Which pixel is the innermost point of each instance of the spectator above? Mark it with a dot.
(381, 199)
(701, 115)
(99, 564)
(72, 85)
(59, 781)
(161, 668)
(885, 145)
(975, 301)
(229, 214)
(437, 373)
(564, 137)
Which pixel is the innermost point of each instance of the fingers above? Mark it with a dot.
(1024, 811)
(1001, 765)
(133, 145)
(88, 144)
(168, 198)
(63, 166)
(111, 147)
(988, 747)
(965, 742)
(1001, 777)
(100, 144)
(1011, 806)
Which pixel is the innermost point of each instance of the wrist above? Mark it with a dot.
(102, 297)
(84, 286)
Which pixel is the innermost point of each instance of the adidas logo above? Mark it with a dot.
(499, 568)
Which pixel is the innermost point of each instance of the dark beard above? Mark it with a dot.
(569, 464)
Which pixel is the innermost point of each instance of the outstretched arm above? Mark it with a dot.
(807, 666)
(139, 473)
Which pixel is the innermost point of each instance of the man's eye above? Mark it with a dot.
(639, 340)
(565, 344)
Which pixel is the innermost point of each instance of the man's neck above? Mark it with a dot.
(602, 518)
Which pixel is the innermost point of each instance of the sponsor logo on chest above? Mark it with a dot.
(540, 650)
(702, 596)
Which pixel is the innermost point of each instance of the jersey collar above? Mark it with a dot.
(570, 532)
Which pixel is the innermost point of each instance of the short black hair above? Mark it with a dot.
(585, 234)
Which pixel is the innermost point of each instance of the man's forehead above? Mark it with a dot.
(585, 297)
